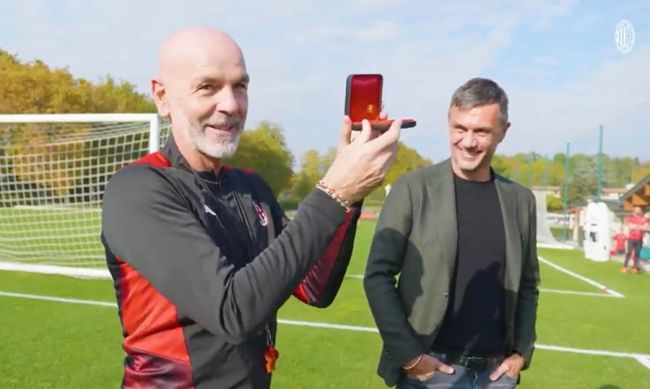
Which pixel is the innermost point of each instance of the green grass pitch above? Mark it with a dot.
(47, 344)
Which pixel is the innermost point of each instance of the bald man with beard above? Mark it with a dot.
(201, 254)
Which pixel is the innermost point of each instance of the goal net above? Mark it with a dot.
(53, 170)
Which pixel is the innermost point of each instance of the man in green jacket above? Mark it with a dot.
(463, 241)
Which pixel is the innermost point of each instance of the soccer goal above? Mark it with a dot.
(53, 170)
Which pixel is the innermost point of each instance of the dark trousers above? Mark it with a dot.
(463, 378)
(633, 249)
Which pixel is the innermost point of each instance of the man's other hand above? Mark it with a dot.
(427, 368)
(510, 366)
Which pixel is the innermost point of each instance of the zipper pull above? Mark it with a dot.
(271, 354)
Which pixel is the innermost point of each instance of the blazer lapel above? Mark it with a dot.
(508, 201)
(442, 186)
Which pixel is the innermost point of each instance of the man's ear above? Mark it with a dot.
(160, 97)
(505, 130)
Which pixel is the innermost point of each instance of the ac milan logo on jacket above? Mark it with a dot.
(264, 221)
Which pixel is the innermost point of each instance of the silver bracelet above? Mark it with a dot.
(332, 193)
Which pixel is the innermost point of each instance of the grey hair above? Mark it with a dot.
(478, 92)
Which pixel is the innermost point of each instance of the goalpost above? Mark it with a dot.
(53, 171)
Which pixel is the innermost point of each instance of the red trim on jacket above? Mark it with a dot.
(316, 281)
(153, 336)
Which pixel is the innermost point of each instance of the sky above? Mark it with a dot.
(558, 61)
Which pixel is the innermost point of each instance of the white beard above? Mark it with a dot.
(222, 147)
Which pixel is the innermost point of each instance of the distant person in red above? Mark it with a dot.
(635, 223)
(619, 243)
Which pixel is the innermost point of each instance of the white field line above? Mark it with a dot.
(98, 273)
(58, 299)
(328, 325)
(644, 359)
(102, 273)
(603, 353)
(581, 278)
(546, 290)
(575, 292)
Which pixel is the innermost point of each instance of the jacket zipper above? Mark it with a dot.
(242, 215)
(240, 207)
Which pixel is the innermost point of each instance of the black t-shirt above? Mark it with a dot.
(474, 323)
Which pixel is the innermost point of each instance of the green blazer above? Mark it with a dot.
(416, 238)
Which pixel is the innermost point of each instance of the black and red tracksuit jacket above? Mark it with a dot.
(201, 262)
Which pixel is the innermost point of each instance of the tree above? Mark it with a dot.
(501, 166)
(35, 88)
(313, 167)
(264, 150)
(582, 183)
(554, 204)
(310, 173)
(112, 96)
(406, 160)
(37, 158)
(640, 173)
